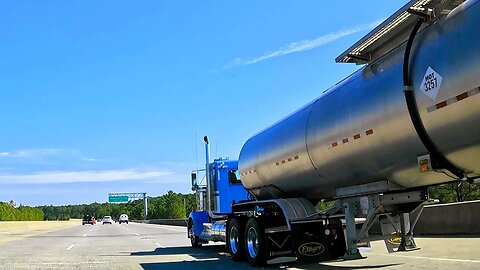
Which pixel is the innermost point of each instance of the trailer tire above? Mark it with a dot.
(194, 240)
(255, 243)
(235, 240)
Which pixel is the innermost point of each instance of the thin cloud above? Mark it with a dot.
(58, 177)
(89, 159)
(303, 45)
(30, 153)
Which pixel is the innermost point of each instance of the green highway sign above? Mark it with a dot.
(118, 199)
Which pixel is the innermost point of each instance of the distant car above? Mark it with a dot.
(107, 219)
(87, 219)
(123, 219)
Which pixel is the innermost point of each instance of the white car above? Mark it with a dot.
(123, 219)
(107, 219)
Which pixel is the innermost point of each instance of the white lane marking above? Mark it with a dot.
(84, 235)
(72, 263)
(70, 247)
(137, 234)
(433, 258)
(91, 230)
(160, 246)
(128, 229)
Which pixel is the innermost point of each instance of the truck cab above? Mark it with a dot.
(214, 201)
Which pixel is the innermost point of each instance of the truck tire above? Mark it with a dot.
(255, 243)
(194, 240)
(235, 240)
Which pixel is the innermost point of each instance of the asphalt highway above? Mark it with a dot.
(145, 246)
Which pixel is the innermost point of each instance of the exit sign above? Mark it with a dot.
(118, 199)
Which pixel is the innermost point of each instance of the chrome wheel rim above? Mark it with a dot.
(233, 237)
(252, 242)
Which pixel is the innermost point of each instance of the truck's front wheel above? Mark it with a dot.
(255, 243)
(194, 240)
(235, 241)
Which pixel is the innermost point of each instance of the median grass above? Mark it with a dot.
(16, 230)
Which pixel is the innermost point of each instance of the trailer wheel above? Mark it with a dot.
(255, 243)
(194, 240)
(235, 241)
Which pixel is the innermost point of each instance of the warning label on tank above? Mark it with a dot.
(431, 83)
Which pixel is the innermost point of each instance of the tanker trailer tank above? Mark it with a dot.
(359, 137)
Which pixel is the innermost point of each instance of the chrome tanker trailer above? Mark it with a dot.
(408, 119)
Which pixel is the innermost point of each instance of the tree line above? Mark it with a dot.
(9, 212)
(168, 206)
(176, 205)
(455, 192)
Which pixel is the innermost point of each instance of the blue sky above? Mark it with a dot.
(107, 96)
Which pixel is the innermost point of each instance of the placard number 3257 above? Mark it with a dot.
(430, 82)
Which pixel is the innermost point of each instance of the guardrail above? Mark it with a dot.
(441, 219)
(461, 218)
(173, 222)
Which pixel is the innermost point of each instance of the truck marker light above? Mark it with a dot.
(424, 162)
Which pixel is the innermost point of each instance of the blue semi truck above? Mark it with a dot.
(373, 144)
(262, 232)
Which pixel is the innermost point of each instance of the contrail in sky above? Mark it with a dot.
(303, 45)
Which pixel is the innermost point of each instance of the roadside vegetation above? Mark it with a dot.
(176, 205)
(168, 206)
(8, 212)
(455, 192)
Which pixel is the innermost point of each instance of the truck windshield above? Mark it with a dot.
(234, 177)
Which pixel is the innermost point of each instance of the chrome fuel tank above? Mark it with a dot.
(358, 136)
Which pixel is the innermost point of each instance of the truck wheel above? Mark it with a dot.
(194, 240)
(254, 243)
(235, 241)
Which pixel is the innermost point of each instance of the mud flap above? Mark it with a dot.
(306, 242)
(279, 245)
(315, 242)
